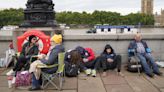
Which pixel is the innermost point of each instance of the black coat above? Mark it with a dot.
(28, 53)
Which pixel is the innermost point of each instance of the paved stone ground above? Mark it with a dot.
(132, 82)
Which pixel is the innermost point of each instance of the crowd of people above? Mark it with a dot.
(82, 57)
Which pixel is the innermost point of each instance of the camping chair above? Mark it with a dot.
(48, 78)
(134, 62)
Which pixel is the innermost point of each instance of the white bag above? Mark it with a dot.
(2, 62)
(9, 57)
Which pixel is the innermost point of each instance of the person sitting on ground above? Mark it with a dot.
(72, 61)
(29, 49)
(88, 57)
(109, 60)
(143, 53)
(50, 59)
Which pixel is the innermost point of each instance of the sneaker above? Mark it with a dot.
(94, 73)
(11, 72)
(78, 71)
(88, 71)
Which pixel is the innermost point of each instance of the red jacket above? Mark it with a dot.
(91, 54)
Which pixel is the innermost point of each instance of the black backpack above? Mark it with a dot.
(71, 70)
(133, 65)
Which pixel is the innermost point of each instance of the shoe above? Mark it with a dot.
(151, 75)
(78, 71)
(104, 74)
(34, 89)
(94, 73)
(88, 71)
(11, 72)
(158, 73)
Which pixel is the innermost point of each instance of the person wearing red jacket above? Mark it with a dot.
(88, 62)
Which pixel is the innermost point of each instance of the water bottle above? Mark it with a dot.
(9, 78)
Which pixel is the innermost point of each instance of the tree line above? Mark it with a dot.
(15, 17)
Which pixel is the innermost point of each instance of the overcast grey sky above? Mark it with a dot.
(121, 6)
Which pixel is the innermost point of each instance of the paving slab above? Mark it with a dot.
(113, 78)
(3, 81)
(27, 91)
(3, 73)
(70, 84)
(119, 88)
(162, 70)
(157, 81)
(2, 70)
(90, 84)
(140, 84)
(61, 91)
(5, 89)
(127, 73)
(162, 90)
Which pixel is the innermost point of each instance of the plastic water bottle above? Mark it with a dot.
(9, 78)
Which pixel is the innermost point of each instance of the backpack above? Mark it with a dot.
(71, 70)
(132, 65)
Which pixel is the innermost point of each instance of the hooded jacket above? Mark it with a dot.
(109, 55)
(133, 46)
(53, 58)
(86, 53)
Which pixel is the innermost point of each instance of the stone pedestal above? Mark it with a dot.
(39, 13)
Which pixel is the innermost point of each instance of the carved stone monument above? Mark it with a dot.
(39, 13)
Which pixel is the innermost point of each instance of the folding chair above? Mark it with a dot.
(49, 78)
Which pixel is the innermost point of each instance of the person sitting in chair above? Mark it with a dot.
(29, 49)
(144, 54)
(50, 59)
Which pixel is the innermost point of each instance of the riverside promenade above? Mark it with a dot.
(131, 82)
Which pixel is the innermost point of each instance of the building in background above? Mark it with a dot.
(159, 18)
(147, 6)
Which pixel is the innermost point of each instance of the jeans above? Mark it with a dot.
(146, 65)
(35, 83)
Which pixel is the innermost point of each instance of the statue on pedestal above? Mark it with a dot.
(46, 4)
(39, 13)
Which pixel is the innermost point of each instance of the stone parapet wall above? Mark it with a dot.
(119, 42)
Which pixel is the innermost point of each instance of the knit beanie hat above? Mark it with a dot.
(57, 38)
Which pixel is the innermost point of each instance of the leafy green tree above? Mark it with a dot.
(15, 17)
